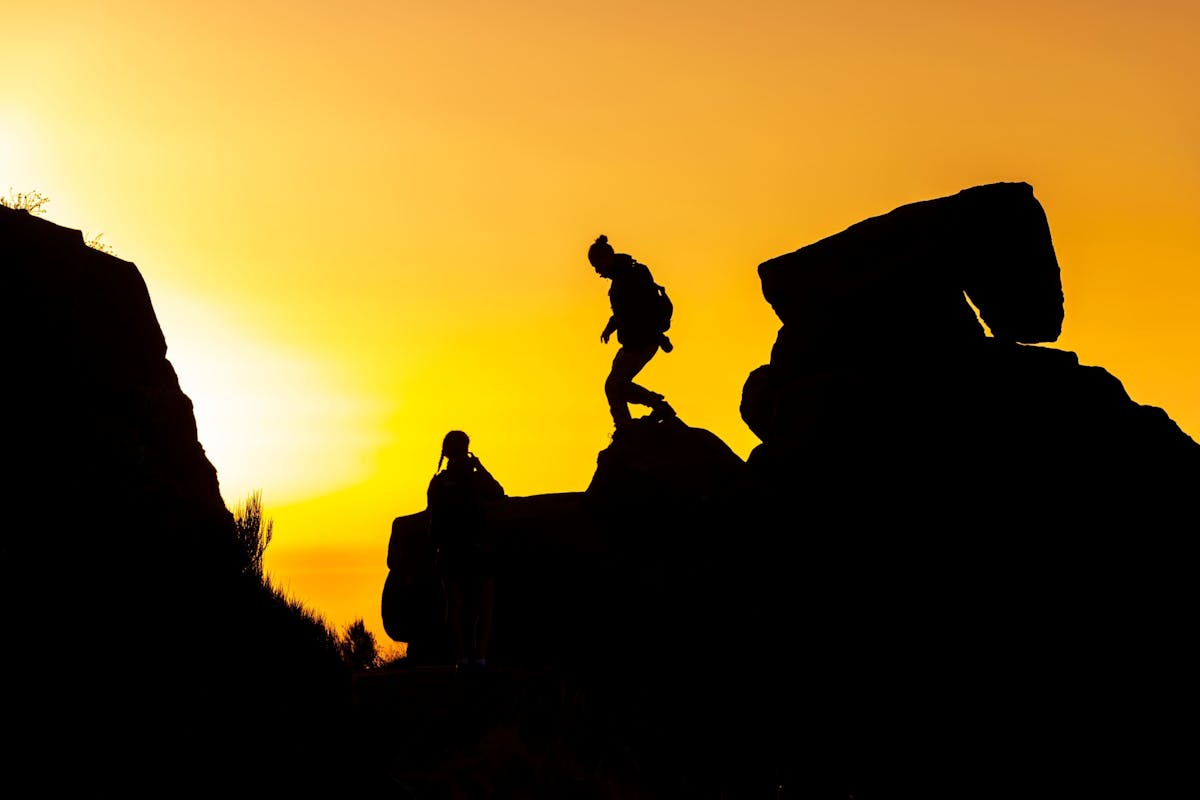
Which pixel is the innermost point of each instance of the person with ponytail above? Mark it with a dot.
(633, 297)
(459, 498)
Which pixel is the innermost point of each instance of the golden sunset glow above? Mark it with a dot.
(364, 224)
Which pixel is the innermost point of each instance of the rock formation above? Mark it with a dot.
(986, 537)
(576, 563)
(138, 654)
(880, 377)
(952, 552)
(902, 277)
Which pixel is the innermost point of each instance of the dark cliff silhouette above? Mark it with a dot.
(138, 653)
(951, 554)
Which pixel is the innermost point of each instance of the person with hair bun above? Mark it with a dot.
(632, 297)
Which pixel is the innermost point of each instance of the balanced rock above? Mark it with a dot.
(901, 277)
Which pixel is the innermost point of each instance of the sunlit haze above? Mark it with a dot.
(365, 224)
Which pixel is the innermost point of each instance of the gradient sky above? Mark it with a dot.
(364, 224)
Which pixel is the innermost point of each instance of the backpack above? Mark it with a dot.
(663, 308)
(643, 304)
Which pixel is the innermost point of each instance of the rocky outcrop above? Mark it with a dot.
(98, 409)
(138, 650)
(119, 503)
(574, 568)
(901, 277)
(916, 399)
(629, 592)
(982, 535)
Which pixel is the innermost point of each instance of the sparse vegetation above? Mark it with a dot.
(30, 202)
(357, 646)
(95, 243)
(35, 203)
(253, 531)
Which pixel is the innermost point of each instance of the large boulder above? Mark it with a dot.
(900, 278)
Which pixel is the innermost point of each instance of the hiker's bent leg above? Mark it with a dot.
(615, 393)
(635, 393)
(619, 387)
(643, 396)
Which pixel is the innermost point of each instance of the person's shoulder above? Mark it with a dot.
(442, 479)
(642, 271)
(487, 482)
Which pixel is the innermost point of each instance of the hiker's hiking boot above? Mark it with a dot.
(662, 410)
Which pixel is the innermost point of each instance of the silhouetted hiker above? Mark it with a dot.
(637, 320)
(459, 497)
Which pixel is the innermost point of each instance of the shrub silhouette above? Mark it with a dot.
(253, 532)
(358, 647)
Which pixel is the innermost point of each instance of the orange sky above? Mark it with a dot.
(364, 224)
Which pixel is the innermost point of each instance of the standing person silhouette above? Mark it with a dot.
(632, 297)
(459, 498)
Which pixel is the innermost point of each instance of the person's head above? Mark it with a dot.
(600, 255)
(454, 447)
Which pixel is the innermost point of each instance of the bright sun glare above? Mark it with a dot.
(269, 417)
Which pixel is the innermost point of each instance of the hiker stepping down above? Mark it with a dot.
(641, 316)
